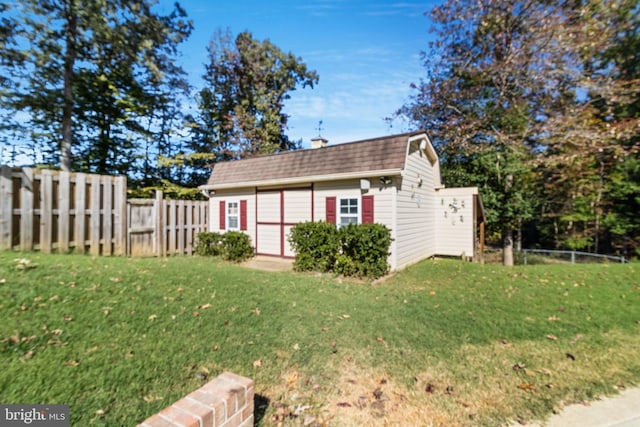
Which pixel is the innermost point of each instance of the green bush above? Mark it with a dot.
(209, 244)
(231, 246)
(354, 250)
(236, 246)
(364, 249)
(315, 245)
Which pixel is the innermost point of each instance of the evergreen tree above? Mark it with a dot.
(95, 77)
(247, 82)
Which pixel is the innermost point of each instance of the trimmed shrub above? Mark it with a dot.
(364, 249)
(355, 250)
(236, 246)
(209, 244)
(315, 245)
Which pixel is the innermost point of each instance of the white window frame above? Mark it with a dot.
(355, 215)
(229, 215)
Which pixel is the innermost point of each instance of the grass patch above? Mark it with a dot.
(443, 342)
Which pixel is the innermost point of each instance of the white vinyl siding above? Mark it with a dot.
(383, 198)
(383, 201)
(247, 194)
(415, 228)
(455, 222)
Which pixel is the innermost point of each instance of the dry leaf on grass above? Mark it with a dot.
(151, 398)
(28, 355)
(527, 386)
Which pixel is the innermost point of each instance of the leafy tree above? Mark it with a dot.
(522, 86)
(493, 74)
(587, 143)
(247, 82)
(95, 77)
(11, 57)
(620, 110)
(624, 193)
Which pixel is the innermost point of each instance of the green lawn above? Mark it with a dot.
(443, 342)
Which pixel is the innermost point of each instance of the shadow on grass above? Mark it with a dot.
(260, 405)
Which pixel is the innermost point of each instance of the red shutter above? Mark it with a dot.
(367, 209)
(223, 215)
(331, 210)
(243, 215)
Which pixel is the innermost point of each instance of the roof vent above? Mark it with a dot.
(318, 142)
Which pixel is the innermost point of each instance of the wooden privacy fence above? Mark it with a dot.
(159, 227)
(50, 210)
(46, 210)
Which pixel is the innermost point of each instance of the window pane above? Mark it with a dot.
(346, 220)
(233, 208)
(233, 222)
(344, 206)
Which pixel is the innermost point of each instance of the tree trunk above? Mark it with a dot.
(69, 60)
(507, 246)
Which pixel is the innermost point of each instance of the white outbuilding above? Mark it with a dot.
(393, 180)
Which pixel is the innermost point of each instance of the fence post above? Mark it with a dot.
(26, 210)
(120, 216)
(81, 212)
(159, 229)
(189, 207)
(573, 257)
(94, 220)
(46, 208)
(180, 227)
(64, 191)
(173, 228)
(6, 207)
(107, 210)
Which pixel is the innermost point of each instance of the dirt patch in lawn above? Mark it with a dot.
(356, 396)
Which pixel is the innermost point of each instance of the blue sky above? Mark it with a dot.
(367, 53)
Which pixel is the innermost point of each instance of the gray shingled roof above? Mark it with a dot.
(379, 154)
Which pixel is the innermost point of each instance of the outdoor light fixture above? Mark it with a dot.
(385, 180)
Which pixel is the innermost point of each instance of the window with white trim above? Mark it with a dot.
(233, 215)
(349, 210)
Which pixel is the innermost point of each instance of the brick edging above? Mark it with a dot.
(225, 401)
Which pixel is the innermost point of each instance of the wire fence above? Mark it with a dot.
(546, 256)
